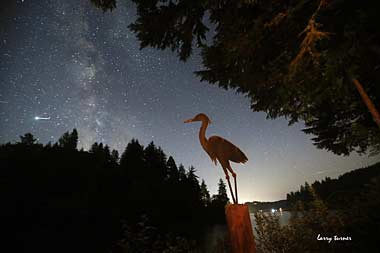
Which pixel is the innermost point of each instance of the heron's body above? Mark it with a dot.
(219, 149)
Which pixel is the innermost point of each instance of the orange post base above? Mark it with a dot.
(240, 229)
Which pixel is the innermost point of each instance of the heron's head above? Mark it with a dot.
(199, 117)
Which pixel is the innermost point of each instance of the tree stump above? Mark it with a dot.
(240, 229)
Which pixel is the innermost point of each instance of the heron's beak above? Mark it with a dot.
(188, 121)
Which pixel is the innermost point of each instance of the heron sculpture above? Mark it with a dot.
(220, 149)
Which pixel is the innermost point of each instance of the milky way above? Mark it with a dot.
(82, 68)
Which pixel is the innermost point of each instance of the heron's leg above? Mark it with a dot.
(236, 195)
(234, 176)
(229, 185)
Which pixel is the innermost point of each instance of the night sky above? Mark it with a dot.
(76, 67)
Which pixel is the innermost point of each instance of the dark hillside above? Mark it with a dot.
(340, 192)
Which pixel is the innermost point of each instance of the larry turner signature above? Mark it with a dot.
(331, 238)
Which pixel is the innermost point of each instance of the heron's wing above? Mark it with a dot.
(226, 150)
(212, 156)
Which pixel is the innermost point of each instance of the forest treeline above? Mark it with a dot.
(57, 198)
(255, 206)
(337, 193)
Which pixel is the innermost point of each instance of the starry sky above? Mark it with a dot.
(74, 66)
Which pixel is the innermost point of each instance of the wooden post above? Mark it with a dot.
(240, 229)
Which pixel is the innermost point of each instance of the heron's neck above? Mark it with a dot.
(202, 134)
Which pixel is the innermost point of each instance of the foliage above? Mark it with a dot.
(363, 219)
(294, 59)
(145, 238)
(271, 236)
(105, 5)
(360, 220)
(304, 227)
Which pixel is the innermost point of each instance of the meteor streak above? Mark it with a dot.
(41, 118)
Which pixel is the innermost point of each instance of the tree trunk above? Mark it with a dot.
(371, 107)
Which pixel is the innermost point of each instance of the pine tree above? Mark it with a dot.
(28, 139)
(107, 154)
(132, 161)
(182, 173)
(155, 162)
(94, 148)
(192, 177)
(115, 156)
(222, 193)
(172, 170)
(68, 140)
(205, 195)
